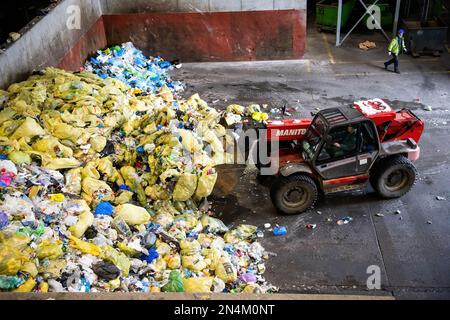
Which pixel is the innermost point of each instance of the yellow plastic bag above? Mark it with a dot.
(260, 116)
(58, 163)
(6, 113)
(49, 249)
(19, 157)
(190, 143)
(185, 187)
(205, 240)
(43, 287)
(27, 286)
(159, 265)
(213, 257)
(58, 197)
(11, 260)
(213, 225)
(53, 269)
(252, 288)
(198, 285)
(64, 131)
(85, 247)
(90, 171)
(236, 109)
(241, 232)
(29, 128)
(124, 196)
(187, 221)
(122, 246)
(173, 261)
(85, 220)
(206, 183)
(73, 181)
(189, 247)
(133, 180)
(166, 94)
(226, 271)
(117, 258)
(17, 241)
(98, 143)
(156, 192)
(92, 186)
(194, 262)
(251, 109)
(133, 215)
(105, 166)
(52, 147)
(215, 143)
(30, 268)
(162, 247)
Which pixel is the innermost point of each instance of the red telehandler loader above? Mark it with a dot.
(342, 149)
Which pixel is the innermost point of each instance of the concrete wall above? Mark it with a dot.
(47, 42)
(139, 6)
(91, 41)
(213, 36)
(50, 43)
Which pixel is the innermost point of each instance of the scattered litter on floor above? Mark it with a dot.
(311, 226)
(439, 198)
(13, 37)
(379, 214)
(267, 225)
(366, 45)
(103, 187)
(279, 231)
(397, 212)
(344, 220)
(429, 222)
(428, 108)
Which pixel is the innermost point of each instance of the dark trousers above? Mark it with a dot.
(394, 61)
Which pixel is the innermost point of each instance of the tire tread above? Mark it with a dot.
(278, 183)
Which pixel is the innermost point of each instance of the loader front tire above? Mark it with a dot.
(294, 194)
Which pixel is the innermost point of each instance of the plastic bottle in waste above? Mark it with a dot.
(121, 226)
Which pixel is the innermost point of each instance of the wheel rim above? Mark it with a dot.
(295, 196)
(396, 180)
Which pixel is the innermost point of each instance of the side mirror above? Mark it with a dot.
(313, 114)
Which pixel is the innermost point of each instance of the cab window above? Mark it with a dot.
(341, 142)
(369, 140)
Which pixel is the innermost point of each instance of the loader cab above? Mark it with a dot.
(341, 142)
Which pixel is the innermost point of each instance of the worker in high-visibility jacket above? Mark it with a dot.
(396, 47)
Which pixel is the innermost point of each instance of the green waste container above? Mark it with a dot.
(326, 13)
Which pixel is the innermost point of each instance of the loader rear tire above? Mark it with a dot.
(294, 194)
(394, 177)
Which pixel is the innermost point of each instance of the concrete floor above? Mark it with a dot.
(414, 256)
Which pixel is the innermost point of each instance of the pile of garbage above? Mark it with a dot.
(367, 45)
(129, 65)
(104, 189)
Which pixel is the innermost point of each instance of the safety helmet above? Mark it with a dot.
(401, 31)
